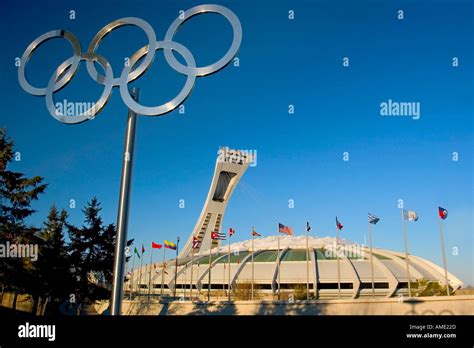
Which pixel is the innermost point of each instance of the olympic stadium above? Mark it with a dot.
(300, 262)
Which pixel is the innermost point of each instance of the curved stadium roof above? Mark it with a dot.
(390, 276)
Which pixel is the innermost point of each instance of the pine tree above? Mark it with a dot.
(53, 266)
(16, 194)
(91, 251)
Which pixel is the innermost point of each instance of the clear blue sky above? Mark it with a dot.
(282, 62)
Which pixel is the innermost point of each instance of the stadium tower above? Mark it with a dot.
(230, 166)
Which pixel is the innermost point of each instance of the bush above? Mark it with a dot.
(243, 291)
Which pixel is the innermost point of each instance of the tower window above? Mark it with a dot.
(222, 185)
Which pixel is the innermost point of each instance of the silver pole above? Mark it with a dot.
(278, 267)
(131, 276)
(406, 252)
(149, 276)
(228, 259)
(122, 216)
(307, 265)
(371, 261)
(185, 278)
(338, 265)
(163, 273)
(192, 265)
(209, 276)
(176, 269)
(253, 275)
(139, 289)
(316, 275)
(444, 255)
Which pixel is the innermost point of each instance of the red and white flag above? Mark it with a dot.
(217, 236)
(195, 243)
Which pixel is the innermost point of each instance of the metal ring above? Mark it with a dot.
(91, 112)
(68, 69)
(150, 33)
(221, 63)
(76, 46)
(172, 104)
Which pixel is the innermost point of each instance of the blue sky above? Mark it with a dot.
(299, 156)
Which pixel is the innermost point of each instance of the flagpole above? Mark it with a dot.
(185, 278)
(444, 255)
(176, 269)
(192, 263)
(253, 250)
(163, 271)
(278, 267)
(125, 277)
(223, 280)
(209, 276)
(316, 271)
(371, 261)
(149, 280)
(228, 259)
(307, 263)
(406, 251)
(338, 265)
(136, 285)
(140, 276)
(131, 276)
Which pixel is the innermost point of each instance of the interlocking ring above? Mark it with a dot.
(176, 101)
(76, 46)
(92, 111)
(150, 33)
(221, 63)
(66, 71)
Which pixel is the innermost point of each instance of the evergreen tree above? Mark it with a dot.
(53, 266)
(91, 250)
(16, 195)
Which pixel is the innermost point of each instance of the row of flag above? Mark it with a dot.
(167, 244)
(409, 215)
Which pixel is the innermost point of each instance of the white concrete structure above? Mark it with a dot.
(230, 166)
(390, 273)
(389, 269)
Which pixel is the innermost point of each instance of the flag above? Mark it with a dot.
(308, 227)
(170, 245)
(285, 229)
(338, 224)
(217, 236)
(156, 246)
(256, 234)
(373, 219)
(195, 243)
(136, 252)
(231, 232)
(443, 213)
(410, 215)
(143, 249)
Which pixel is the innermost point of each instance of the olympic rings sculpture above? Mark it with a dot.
(66, 71)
